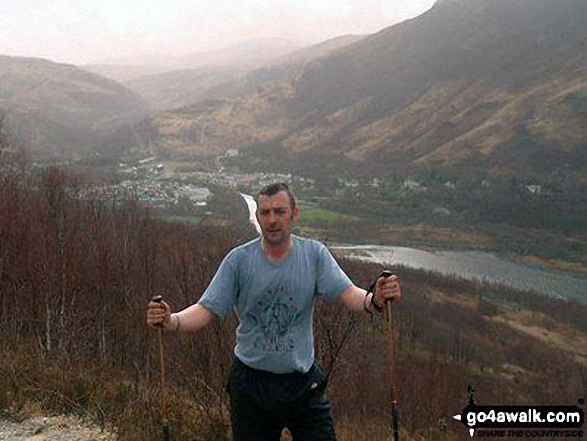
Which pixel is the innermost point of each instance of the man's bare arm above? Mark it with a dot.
(354, 298)
(386, 288)
(191, 319)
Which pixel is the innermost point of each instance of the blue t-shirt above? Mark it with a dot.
(274, 301)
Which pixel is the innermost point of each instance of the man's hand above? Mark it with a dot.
(159, 315)
(387, 289)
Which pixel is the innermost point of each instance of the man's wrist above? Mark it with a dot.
(376, 305)
(175, 324)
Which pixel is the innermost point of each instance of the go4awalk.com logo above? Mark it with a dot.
(522, 421)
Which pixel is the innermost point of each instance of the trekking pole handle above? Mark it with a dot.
(386, 273)
(158, 299)
(388, 302)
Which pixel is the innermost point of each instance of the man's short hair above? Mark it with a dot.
(272, 189)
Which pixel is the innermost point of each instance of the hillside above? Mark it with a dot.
(212, 127)
(491, 87)
(179, 88)
(76, 276)
(508, 44)
(54, 108)
(497, 85)
(285, 69)
(249, 109)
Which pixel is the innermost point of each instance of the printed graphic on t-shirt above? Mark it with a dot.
(274, 315)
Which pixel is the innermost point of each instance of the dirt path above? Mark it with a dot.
(52, 429)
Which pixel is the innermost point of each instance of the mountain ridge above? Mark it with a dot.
(59, 108)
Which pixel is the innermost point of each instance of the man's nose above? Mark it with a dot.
(273, 217)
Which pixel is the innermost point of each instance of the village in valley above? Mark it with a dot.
(158, 185)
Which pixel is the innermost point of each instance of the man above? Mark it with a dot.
(271, 283)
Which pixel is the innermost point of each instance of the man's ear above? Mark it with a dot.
(294, 215)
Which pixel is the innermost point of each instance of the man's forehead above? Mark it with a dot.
(279, 199)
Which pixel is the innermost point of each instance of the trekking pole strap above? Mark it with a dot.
(371, 289)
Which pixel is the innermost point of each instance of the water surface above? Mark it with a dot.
(478, 265)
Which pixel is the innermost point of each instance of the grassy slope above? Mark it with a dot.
(513, 351)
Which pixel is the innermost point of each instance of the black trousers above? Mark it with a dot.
(262, 404)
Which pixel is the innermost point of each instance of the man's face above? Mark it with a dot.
(276, 218)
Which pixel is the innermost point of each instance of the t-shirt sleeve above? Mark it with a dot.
(331, 279)
(220, 296)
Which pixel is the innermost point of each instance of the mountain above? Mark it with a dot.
(491, 87)
(252, 108)
(496, 85)
(285, 69)
(506, 43)
(176, 88)
(173, 82)
(58, 108)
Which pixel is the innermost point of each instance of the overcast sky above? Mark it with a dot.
(89, 31)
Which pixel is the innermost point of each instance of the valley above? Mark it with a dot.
(538, 223)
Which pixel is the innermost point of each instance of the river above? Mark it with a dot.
(471, 265)
(477, 265)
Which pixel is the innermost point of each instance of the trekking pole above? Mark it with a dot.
(395, 415)
(164, 422)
